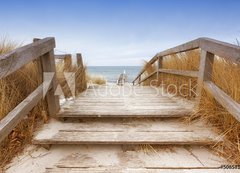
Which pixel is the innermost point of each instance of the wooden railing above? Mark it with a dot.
(42, 51)
(209, 48)
(67, 58)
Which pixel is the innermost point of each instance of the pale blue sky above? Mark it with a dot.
(119, 32)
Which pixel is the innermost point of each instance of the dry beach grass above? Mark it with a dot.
(16, 87)
(226, 76)
(96, 79)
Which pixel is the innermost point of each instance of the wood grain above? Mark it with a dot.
(17, 58)
(225, 100)
(11, 120)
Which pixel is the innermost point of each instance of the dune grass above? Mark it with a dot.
(226, 76)
(96, 79)
(16, 87)
(79, 75)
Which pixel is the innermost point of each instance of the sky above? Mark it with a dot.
(119, 32)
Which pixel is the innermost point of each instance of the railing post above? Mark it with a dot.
(205, 72)
(39, 64)
(79, 60)
(67, 62)
(48, 65)
(139, 80)
(159, 66)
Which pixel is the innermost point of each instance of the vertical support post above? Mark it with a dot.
(79, 60)
(67, 62)
(159, 66)
(48, 65)
(205, 72)
(139, 80)
(39, 64)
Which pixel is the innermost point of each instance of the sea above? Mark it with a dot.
(112, 73)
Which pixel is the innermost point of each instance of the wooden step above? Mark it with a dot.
(144, 102)
(141, 159)
(140, 170)
(122, 131)
(78, 113)
(107, 158)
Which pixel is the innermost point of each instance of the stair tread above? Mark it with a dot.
(136, 131)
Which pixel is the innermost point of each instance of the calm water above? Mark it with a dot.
(111, 73)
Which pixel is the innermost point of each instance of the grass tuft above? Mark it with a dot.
(96, 79)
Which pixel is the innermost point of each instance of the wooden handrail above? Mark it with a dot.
(147, 77)
(219, 48)
(17, 58)
(226, 101)
(67, 58)
(209, 48)
(42, 51)
(9, 122)
(180, 72)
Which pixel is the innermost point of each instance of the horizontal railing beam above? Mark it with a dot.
(180, 72)
(225, 50)
(178, 49)
(17, 58)
(225, 100)
(147, 77)
(10, 121)
(62, 56)
(187, 73)
(191, 45)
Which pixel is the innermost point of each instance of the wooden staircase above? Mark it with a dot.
(128, 116)
(104, 127)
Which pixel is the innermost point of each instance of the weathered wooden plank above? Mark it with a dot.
(127, 137)
(222, 49)
(11, 120)
(63, 56)
(119, 131)
(124, 113)
(147, 77)
(39, 66)
(123, 125)
(178, 49)
(140, 105)
(161, 158)
(67, 58)
(91, 104)
(79, 60)
(15, 59)
(205, 72)
(191, 45)
(159, 66)
(140, 170)
(180, 72)
(225, 100)
(107, 158)
(229, 51)
(157, 95)
(122, 107)
(48, 64)
(115, 101)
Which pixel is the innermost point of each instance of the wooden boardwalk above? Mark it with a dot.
(130, 116)
(102, 129)
(125, 101)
